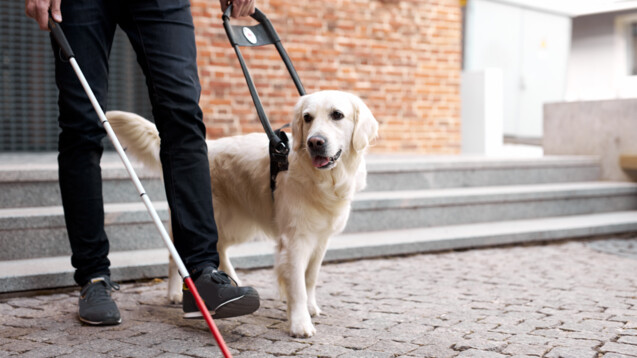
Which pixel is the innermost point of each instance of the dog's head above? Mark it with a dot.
(330, 125)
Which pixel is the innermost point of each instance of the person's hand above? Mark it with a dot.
(39, 11)
(239, 7)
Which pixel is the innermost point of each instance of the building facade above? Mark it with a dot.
(402, 57)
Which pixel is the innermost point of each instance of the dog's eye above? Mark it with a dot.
(307, 118)
(337, 115)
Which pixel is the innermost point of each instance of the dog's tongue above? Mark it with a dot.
(320, 161)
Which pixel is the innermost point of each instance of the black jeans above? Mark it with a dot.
(162, 34)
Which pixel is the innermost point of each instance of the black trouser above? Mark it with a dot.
(162, 34)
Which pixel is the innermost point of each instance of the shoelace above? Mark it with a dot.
(100, 290)
(222, 278)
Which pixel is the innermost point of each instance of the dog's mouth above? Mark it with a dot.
(321, 162)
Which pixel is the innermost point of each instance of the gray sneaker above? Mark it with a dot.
(97, 307)
(222, 296)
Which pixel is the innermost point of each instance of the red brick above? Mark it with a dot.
(402, 57)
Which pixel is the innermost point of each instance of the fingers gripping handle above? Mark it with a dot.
(59, 37)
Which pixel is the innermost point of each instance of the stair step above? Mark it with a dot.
(392, 210)
(23, 187)
(431, 172)
(40, 273)
(39, 232)
(29, 180)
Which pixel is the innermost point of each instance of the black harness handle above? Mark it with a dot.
(260, 35)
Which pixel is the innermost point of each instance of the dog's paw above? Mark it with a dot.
(302, 329)
(175, 297)
(314, 309)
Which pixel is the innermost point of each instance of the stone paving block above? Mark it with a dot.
(252, 344)
(102, 345)
(250, 330)
(441, 337)
(368, 354)
(22, 347)
(611, 347)
(528, 340)
(590, 325)
(571, 352)
(205, 352)
(492, 336)
(250, 355)
(82, 354)
(357, 343)
(393, 347)
(525, 349)
(320, 350)
(474, 353)
(136, 352)
(47, 351)
(174, 346)
(170, 355)
(627, 340)
(582, 343)
(285, 348)
(12, 332)
(479, 344)
(433, 352)
(44, 335)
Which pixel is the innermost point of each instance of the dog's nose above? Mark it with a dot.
(316, 142)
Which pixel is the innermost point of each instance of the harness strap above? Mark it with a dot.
(278, 159)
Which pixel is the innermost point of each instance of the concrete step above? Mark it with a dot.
(40, 273)
(394, 210)
(40, 232)
(29, 180)
(431, 172)
(32, 184)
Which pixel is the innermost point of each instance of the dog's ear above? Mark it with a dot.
(365, 125)
(297, 125)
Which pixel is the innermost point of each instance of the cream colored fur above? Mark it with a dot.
(310, 205)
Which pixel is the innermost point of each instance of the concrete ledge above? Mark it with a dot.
(21, 275)
(604, 128)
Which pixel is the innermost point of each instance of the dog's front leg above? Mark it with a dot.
(291, 268)
(311, 278)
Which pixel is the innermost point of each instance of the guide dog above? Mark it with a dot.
(331, 132)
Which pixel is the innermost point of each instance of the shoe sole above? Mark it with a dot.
(102, 323)
(239, 306)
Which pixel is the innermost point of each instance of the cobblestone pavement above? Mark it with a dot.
(557, 300)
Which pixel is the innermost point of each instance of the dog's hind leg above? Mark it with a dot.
(311, 279)
(174, 278)
(225, 265)
(174, 282)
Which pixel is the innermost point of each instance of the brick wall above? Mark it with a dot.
(401, 56)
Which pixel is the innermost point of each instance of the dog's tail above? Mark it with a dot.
(138, 135)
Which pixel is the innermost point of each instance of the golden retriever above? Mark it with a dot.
(331, 131)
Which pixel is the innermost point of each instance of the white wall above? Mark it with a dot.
(530, 46)
(597, 66)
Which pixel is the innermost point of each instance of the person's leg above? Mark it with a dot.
(162, 34)
(90, 35)
(89, 28)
